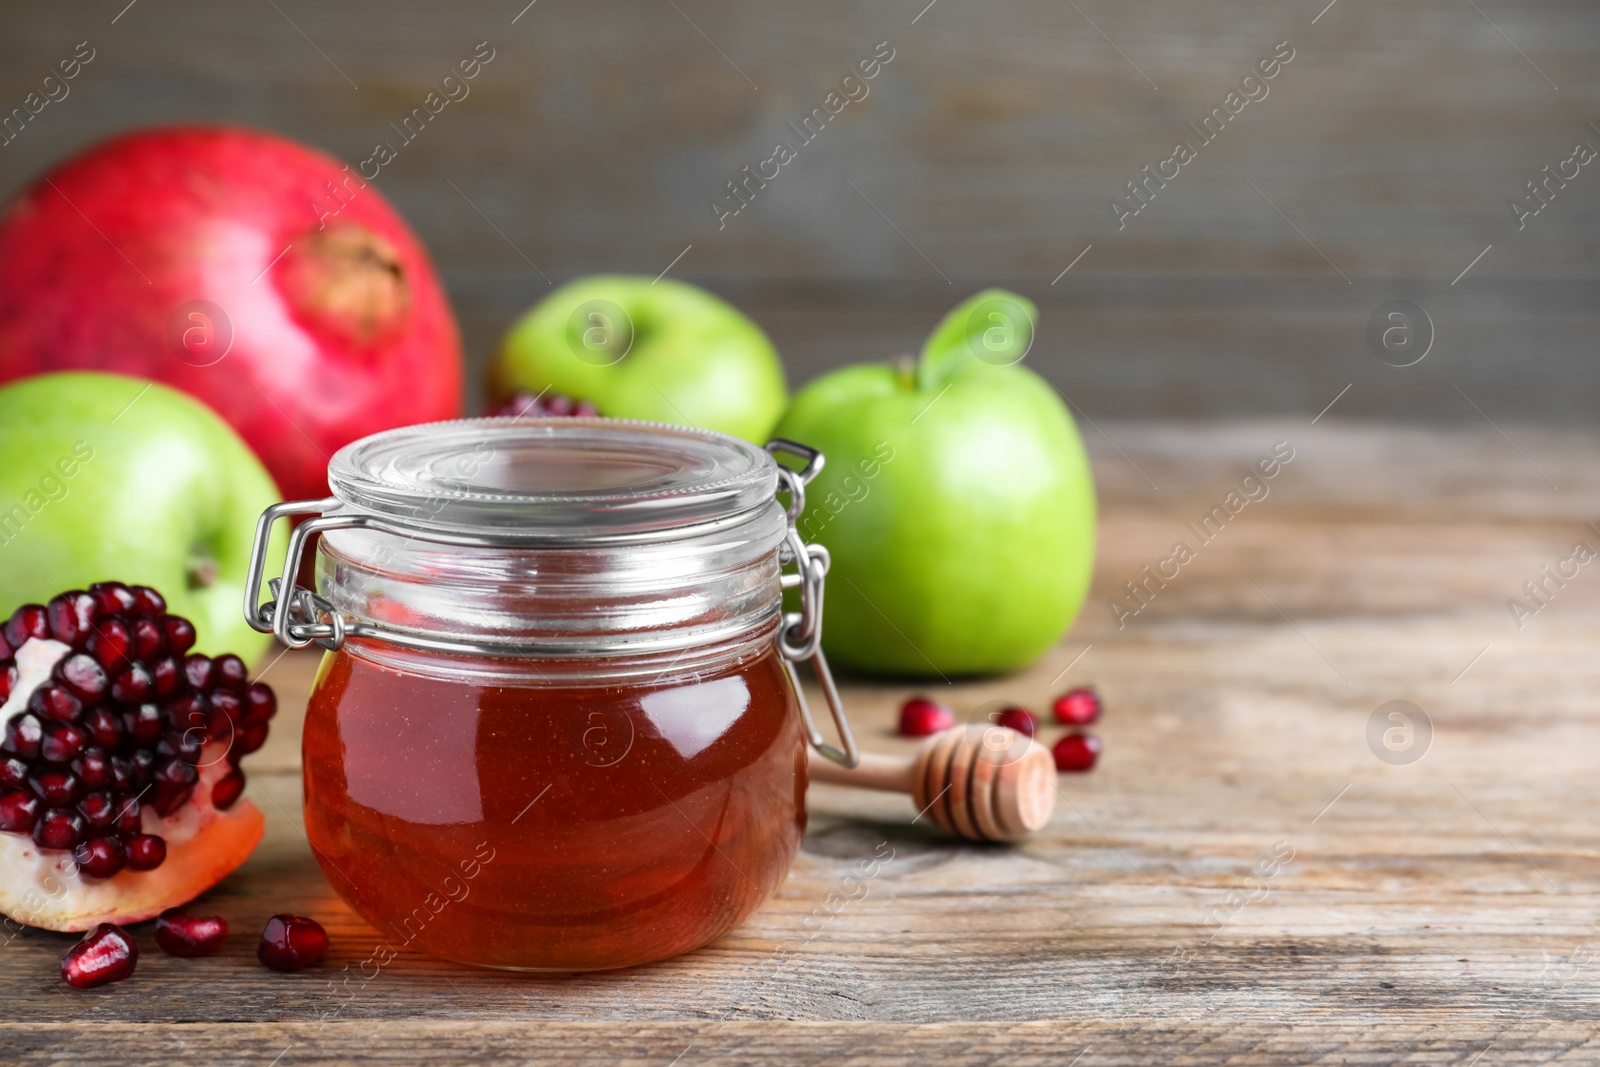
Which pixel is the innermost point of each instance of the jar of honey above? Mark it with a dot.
(558, 725)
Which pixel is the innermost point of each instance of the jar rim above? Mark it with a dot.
(552, 481)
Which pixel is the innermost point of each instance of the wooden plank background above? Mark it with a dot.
(1442, 910)
(987, 152)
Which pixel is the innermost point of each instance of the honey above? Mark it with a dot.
(553, 827)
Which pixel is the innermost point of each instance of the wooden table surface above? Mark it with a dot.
(1441, 911)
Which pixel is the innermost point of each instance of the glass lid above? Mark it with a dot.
(568, 480)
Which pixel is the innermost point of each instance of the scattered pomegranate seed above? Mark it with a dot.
(1021, 720)
(1077, 707)
(1076, 752)
(179, 934)
(920, 717)
(291, 942)
(106, 955)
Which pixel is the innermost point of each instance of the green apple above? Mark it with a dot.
(956, 501)
(111, 478)
(641, 349)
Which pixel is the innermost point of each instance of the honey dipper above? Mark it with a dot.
(981, 781)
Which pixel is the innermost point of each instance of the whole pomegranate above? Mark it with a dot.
(254, 273)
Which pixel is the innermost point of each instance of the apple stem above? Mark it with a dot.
(202, 572)
(905, 371)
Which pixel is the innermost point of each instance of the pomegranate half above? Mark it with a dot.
(256, 274)
(119, 768)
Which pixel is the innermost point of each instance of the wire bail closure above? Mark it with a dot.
(298, 617)
(800, 635)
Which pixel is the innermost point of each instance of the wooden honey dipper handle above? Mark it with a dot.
(981, 782)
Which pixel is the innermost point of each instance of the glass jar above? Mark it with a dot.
(558, 725)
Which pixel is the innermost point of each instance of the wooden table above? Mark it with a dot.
(1442, 910)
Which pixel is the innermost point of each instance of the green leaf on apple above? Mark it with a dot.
(994, 327)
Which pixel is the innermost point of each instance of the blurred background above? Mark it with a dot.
(1382, 164)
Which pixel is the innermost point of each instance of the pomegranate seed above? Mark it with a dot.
(62, 742)
(148, 639)
(9, 677)
(920, 717)
(141, 768)
(231, 673)
(128, 822)
(261, 704)
(1076, 752)
(248, 739)
(58, 828)
(291, 942)
(527, 405)
(183, 744)
(121, 775)
(190, 935)
(100, 857)
(19, 810)
(54, 703)
(106, 955)
(199, 671)
(114, 598)
(172, 783)
(1077, 707)
(167, 675)
(99, 812)
(23, 734)
(105, 729)
(228, 789)
(83, 676)
(188, 710)
(54, 786)
(1021, 720)
(179, 633)
(219, 727)
(71, 617)
(132, 685)
(13, 772)
(110, 642)
(93, 770)
(30, 620)
(146, 852)
(144, 724)
(147, 601)
(228, 703)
